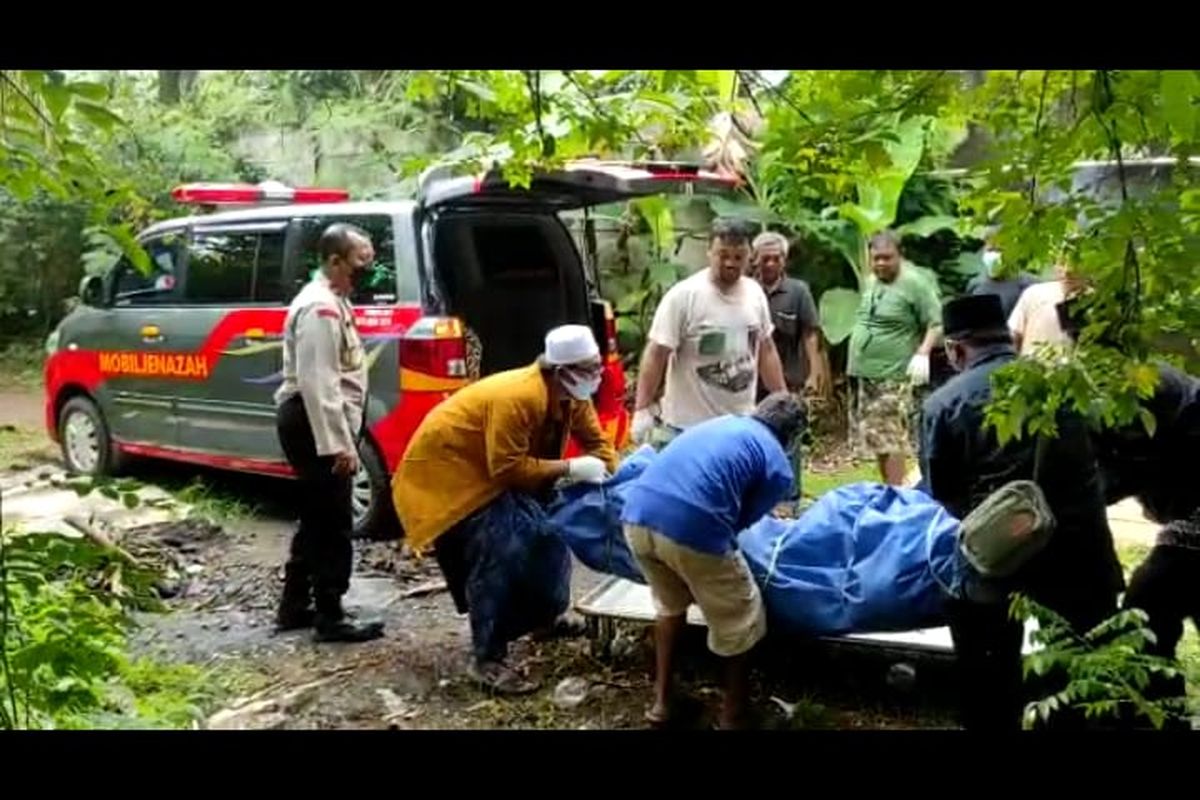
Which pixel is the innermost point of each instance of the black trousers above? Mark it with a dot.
(1167, 587)
(987, 646)
(321, 555)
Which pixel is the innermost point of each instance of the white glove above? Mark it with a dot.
(918, 370)
(586, 469)
(643, 423)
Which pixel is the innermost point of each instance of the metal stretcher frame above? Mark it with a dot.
(618, 600)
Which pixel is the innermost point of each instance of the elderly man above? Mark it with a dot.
(469, 482)
(710, 340)
(1076, 575)
(320, 418)
(893, 335)
(681, 519)
(797, 332)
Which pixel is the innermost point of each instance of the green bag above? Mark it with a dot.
(1009, 527)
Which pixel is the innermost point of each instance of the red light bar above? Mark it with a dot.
(312, 194)
(691, 176)
(216, 194)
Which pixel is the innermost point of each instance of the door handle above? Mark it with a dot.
(255, 335)
(151, 334)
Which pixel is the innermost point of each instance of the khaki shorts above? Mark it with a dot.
(721, 585)
(881, 417)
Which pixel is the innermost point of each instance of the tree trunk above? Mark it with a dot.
(169, 86)
(187, 82)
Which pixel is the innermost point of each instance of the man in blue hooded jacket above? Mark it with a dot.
(681, 518)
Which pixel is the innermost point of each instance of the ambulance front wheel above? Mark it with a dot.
(374, 514)
(87, 444)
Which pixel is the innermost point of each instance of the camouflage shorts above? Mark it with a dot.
(881, 417)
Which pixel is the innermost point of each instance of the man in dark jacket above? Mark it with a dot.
(1076, 575)
(1156, 469)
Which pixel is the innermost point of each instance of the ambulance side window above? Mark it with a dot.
(132, 287)
(378, 285)
(235, 266)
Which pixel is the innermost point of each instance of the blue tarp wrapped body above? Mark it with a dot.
(588, 517)
(864, 558)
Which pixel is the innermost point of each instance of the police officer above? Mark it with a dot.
(320, 418)
(1076, 575)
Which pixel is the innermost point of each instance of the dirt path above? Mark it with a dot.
(22, 408)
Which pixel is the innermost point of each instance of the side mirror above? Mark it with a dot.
(91, 291)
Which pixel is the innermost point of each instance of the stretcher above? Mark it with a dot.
(616, 600)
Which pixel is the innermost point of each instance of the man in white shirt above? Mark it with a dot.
(708, 345)
(1034, 320)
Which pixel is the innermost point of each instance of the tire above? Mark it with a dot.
(374, 518)
(87, 445)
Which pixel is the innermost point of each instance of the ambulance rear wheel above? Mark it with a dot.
(87, 445)
(374, 515)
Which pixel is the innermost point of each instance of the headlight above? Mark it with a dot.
(52, 342)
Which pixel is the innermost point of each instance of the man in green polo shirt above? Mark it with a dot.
(895, 330)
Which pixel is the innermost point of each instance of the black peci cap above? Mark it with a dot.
(972, 316)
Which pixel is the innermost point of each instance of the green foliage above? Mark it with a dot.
(66, 606)
(528, 120)
(636, 288)
(841, 153)
(21, 364)
(838, 308)
(1135, 244)
(1107, 668)
(210, 503)
(1097, 381)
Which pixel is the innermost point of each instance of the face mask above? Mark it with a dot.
(584, 389)
(991, 260)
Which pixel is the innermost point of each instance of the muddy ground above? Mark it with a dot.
(224, 580)
(413, 678)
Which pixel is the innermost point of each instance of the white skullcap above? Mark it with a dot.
(571, 344)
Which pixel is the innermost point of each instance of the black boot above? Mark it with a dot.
(333, 626)
(295, 608)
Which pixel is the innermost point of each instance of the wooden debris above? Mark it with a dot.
(432, 587)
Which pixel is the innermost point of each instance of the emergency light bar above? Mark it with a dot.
(219, 194)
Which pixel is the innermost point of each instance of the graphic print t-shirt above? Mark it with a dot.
(715, 337)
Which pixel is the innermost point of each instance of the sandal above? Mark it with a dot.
(501, 679)
(656, 720)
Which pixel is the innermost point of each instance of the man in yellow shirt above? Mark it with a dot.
(469, 485)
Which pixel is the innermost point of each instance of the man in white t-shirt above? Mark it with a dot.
(710, 340)
(1034, 320)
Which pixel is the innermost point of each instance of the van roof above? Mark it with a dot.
(269, 212)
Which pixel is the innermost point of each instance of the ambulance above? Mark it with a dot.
(182, 362)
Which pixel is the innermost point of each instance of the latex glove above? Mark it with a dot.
(643, 423)
(586, 469)
(918, 370)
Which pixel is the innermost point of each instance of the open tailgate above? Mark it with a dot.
(579, 184)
